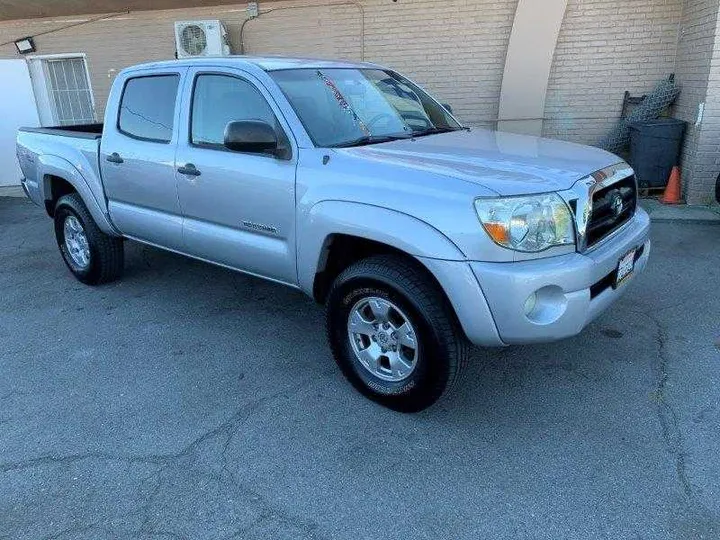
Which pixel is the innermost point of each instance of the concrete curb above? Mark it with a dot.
(685, 221)
(661, 213)
(11, 191)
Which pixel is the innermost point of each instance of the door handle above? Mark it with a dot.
(114, 158)
(189, 169)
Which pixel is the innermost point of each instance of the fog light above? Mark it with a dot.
(530, 303)
(546, 305)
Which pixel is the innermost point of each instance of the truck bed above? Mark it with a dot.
(83, 131)
(68, 151)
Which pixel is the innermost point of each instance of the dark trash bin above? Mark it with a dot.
(655, 149)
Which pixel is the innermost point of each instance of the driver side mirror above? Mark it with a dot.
(251, 136)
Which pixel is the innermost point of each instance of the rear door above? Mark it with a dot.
(239, 208)
(137, 157)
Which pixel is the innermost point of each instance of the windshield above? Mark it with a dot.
(349, 107)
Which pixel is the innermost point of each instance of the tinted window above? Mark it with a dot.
(219, 100)
(147, 108)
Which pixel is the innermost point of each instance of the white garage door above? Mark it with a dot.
(17, 108)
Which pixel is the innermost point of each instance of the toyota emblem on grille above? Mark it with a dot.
(616, 204)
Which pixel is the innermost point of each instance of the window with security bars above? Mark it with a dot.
(69, 91)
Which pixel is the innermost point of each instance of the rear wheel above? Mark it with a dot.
(393, 333)
(91, 255)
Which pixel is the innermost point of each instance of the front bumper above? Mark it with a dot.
(571, 290)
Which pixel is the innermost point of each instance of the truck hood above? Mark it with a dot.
(505, 163)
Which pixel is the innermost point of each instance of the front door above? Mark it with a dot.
(238, 208)
(137, 158)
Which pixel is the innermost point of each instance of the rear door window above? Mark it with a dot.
(147, 107)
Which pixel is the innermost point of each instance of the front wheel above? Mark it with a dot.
(393, 333)
(91, 255)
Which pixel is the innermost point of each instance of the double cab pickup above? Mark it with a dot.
(351, 183)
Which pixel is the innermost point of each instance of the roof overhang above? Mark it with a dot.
(32, 9)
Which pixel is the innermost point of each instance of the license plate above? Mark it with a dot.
(625, 267)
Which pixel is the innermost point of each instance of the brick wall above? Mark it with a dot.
(457, 49)
(604, 48)
(696, 64)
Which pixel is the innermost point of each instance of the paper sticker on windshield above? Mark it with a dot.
(343, 102)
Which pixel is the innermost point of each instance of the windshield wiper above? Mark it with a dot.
(434, 130)
(371, 139)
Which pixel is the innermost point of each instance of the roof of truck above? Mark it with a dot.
(266, 63)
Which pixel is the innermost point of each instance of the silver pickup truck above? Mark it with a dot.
(351, 183)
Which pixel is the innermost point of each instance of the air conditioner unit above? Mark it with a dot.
(201, 38)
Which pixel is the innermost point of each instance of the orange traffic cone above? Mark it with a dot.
(672, 191)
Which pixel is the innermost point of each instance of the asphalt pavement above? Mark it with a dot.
(190, 402)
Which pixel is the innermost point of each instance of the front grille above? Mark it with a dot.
(607, 214)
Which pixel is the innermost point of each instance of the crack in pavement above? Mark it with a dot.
(11, 394)
(163, 533)
(146, 508)
(228, 428)
(309, 530)
(226, 431)
(77, 529)
(667, 416)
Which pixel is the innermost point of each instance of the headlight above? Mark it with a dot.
(528, 223)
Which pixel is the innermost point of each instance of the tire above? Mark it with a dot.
(103, 257)
(717, 189)
(440, 351)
